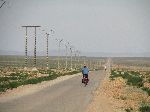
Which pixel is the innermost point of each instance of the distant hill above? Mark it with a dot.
(3, 52)
(31, 53)
(89, 54)
(105, 54)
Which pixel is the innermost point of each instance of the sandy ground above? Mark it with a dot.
(31, 88)
(116, 96)
(100, 102)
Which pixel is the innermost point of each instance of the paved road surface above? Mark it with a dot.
(66, 96)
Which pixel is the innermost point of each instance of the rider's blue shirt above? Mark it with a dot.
(85, 70)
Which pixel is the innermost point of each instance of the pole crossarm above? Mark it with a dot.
(31, 26)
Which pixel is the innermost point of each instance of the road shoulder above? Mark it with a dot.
(100, 102)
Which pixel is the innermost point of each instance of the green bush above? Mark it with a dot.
(147, 90)
(2, 79)
(40, 79)
(18, 76)
(30, 81)
(12, 85)
(128, 109)
(133, 78)
(145, 108)
(9, 85)
(114, 75)
(2, 89)
(13, 78)
(135, 81)
(123, 97)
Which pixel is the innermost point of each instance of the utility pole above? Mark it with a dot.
(66, 54)
(75, 54)
(47, 41)
(59, 42)
(90, 64)
(71, 57)
(26, 48)
(84, 60)
(97, 64)
(34, 46)
(47, 34)
(78, 54)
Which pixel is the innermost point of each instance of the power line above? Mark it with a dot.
(2, 3)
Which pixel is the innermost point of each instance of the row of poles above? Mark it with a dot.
(67, 46)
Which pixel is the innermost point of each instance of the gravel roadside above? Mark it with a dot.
(100, 101)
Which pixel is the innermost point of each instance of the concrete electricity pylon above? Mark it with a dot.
(47, 35)
(47, 42)
(59, 42)
(26, 45)
(66, 45)
(90, 64)
(84, 60)
(71, 57)
(78, 59)
(71, 52)
(75, 59)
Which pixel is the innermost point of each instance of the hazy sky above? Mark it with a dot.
(89, 25)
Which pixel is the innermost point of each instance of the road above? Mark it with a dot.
(66, 96)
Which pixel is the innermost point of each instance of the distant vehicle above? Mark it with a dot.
(105, 68)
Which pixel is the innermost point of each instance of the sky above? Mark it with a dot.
(108, 26)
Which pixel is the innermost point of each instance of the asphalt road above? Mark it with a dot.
(66, 96)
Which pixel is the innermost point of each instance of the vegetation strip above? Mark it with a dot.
(15, 80)
(134, 79)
